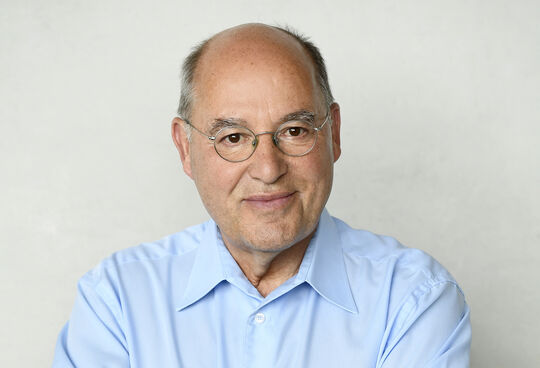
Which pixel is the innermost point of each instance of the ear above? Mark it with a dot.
(336, 125)
(182, 144)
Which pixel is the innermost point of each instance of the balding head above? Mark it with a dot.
(255, 41)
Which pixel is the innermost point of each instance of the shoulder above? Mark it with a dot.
(360, 246)
(150, 257)
(400, 275)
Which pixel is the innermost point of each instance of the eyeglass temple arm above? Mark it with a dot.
(324, 122)
(211, 137)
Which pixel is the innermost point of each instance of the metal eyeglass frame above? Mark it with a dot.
(255, 142)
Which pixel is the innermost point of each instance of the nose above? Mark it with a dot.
(267, 163)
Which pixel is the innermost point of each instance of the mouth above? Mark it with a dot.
(271, 201)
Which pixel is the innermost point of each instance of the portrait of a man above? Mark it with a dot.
(272, 279)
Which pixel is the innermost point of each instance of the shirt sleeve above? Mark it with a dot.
(431, 330)
(93, 336)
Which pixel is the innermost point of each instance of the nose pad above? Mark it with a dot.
(256, 140)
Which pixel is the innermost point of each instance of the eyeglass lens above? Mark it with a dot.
(237, 143)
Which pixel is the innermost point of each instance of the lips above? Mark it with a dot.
(270, 200)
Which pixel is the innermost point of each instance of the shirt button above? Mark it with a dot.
(259, 318)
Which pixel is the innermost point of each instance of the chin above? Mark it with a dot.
(276, 239)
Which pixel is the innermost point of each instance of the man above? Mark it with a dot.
(272, 280)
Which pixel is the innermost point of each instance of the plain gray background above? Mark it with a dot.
(440, 124)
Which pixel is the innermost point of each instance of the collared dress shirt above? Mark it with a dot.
(358, 300)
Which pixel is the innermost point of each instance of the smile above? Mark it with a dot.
(271, 201)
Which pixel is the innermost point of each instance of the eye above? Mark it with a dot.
(232, 138)
(295, 131)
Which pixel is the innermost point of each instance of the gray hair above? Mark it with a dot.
(190, 64)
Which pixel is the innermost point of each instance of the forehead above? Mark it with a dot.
(252, 71)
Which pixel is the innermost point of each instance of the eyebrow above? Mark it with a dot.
(304, 115)
(220, 123)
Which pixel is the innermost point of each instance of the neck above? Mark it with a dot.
(267, 270)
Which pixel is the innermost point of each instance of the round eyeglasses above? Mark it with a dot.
(236, 143)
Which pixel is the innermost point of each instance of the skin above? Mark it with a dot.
(267, 207)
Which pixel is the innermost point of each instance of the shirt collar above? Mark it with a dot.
(207, 270)
(327, 273)
(323, 266)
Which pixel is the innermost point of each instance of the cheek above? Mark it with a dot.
(315, 172)
(319, 171)
(321, 161)
(214, 177)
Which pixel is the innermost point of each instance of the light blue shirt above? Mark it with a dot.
(358, 300)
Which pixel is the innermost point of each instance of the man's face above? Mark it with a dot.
(271, 201)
